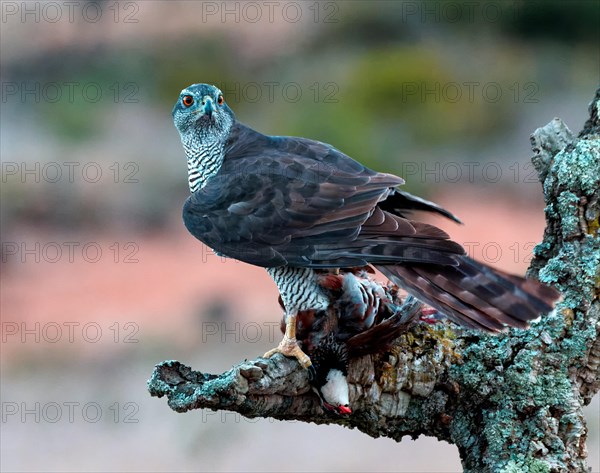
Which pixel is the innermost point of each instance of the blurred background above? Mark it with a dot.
(99, 278)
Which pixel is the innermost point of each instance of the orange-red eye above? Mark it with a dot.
(187, 100)
(220, 100)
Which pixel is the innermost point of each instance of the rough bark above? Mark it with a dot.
(511, 403)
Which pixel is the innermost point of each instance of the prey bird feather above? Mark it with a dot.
(363, 317)
(295, 205)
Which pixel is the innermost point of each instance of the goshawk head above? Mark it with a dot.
(201, 115)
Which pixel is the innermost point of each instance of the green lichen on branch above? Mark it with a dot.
(511, 403)
(530, 384)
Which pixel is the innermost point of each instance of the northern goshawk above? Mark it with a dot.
(293, 205)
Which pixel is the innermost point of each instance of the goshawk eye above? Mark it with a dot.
(220, 100)
(187, 100)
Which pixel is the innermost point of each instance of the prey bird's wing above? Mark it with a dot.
(293, 201)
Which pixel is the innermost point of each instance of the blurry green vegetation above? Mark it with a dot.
(209, 59)
(383, 21)
(364, 82)
(78, 121)
(572, 21)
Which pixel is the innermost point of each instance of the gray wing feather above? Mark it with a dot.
(291, 201)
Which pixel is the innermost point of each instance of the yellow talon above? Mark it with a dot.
(289, 347)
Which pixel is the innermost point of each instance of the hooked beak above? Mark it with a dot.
(208, 106)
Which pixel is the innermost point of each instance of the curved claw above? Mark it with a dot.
(289, 347)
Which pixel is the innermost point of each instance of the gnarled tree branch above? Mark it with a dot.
(511, 402)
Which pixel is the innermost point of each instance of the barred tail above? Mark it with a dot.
(474, 295)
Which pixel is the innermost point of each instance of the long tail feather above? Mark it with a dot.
(474, 295)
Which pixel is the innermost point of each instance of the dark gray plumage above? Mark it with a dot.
(285, 203)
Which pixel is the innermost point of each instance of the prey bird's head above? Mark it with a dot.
(330, 360)
(202, 116)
